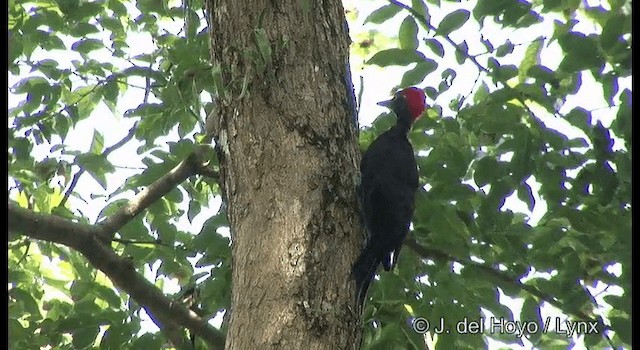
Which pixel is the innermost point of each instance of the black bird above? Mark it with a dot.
(387, 190)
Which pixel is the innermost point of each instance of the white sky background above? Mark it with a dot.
(378, 85)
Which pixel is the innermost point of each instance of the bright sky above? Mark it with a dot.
(378, 85)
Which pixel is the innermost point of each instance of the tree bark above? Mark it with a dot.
(287, 139)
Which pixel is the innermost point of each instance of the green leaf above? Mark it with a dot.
(85, 336)
(53, 42)
(116, 336)
(504, 49)
(449, 232)
(85, 46)
(621, 125)
(209, 240)
(612, 32)
(619, 302)
(581, 52)
(531, 314)
(26, 302)
(452, 21)
(487, 170)
(593, 341)
(536, 93)
(382, 14)
(609, 87)
(148, 341)
(462, 52)
(49, 68)
(518, 14)
(97, 143)
(396, 57)
(435, 46)
(84, 98)
(448, 75)
(408, 34)
(110, 91)
(502, 72)
(417, 74)
(580, 118)
(525, 194)
(543, 74)
(602, 141)
(530, 59)
(85, 10)
(481, 94)
(97, 166)
(421, 8)
(30, 84)
(145, 72)
(107, 294)
(622, 327)
(17, 331)
(15, 47)
(485, 8)
(82, 29)
(153, 172)
(194, 209)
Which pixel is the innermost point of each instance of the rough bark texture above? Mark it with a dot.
(289, 164)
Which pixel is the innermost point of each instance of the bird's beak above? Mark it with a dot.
(386, 103)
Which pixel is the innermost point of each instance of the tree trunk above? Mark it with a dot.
(287, 139)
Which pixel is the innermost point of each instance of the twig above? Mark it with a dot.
(157, 242)
(360, 92)
(464, 98)
(26, 252)
(541, 38)
(107, 151)
(131, 241)
(19, 244)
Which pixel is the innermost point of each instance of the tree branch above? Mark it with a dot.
(195, 163)
(173, 332)
(86, 239)
(429, 253)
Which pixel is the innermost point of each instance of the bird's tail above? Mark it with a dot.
(363, 271)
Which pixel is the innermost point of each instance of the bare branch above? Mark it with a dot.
(87, 240)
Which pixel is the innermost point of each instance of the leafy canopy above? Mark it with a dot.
(525, 214)
(526, 196)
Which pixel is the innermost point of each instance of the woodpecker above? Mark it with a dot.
(387, 190)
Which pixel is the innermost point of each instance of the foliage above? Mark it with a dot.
(74, 62)
(480, 152)
(73, 59)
